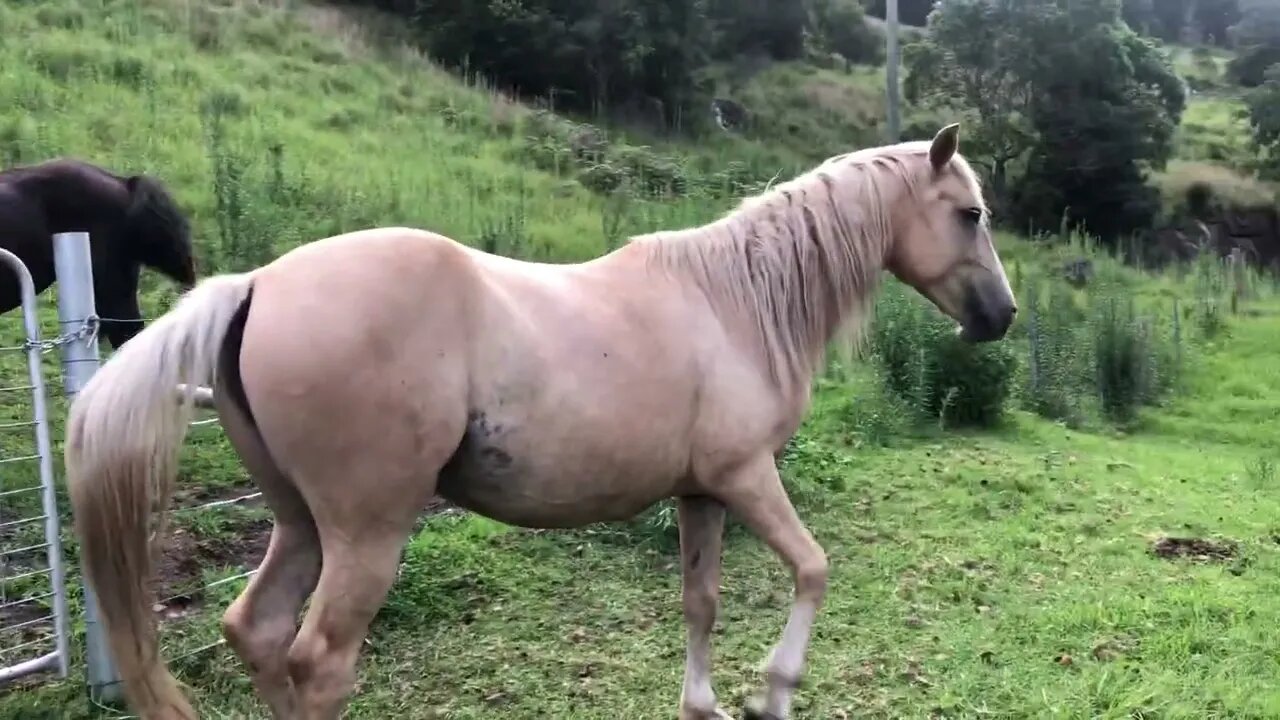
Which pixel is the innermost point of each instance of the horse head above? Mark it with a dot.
(943, 248)
(160, 231)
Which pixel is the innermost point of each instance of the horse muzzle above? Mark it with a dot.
(987, 318)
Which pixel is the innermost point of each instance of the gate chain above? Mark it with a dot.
(87, 331)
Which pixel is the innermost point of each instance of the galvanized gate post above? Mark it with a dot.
(73, 267)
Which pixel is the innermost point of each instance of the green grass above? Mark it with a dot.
(1203, 67)
(1216, 129)
(1004, 573)
(1215, 125)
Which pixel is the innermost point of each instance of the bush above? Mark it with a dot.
(936, 373)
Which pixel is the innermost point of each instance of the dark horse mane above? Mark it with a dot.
(132, 222)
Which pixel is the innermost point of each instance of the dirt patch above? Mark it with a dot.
(1198, 549)
(186, 556)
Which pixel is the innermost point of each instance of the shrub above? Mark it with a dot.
(1123, 364)
(928, 366)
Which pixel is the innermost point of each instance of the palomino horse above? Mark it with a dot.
(131, 221)
(357, 376)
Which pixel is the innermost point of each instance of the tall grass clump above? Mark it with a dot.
(1057, 363)
(1136, 359)
(1211, 289)
(938, 375)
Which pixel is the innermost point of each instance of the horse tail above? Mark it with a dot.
(124, 431)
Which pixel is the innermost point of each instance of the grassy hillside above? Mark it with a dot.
(1012, 572)
(1214, 142)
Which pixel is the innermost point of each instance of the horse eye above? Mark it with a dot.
(973, 214)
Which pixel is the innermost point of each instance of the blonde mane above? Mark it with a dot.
(801, 261)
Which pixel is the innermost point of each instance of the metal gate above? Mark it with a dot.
(33, 601)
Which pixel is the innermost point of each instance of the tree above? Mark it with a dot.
(589, 55)
(1264, 117)
(1215, 18)
(1064, 89)
(910, 12)
(840, 26)
(1257, 40)
(1170, 17)
(770, 27)
(1139, 15)
(1105, 111)
(971, 63)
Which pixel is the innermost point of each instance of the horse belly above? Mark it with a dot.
(510, 477)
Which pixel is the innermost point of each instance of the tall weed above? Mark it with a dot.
(1056, 361)
(1135, 359)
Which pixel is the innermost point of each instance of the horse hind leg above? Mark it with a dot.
(354, 583)
(362, 533)
(261, 623)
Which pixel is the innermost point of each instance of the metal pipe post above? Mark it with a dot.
(892, 61)
(73, 268)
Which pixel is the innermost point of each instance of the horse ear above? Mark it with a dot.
(945, 144)
(136, 185)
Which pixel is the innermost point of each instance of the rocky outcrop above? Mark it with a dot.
(1255, 232)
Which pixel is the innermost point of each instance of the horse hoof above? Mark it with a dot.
(753, 709)
(717, 714)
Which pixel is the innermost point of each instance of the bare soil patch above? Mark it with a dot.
(1197, 549)
(185, 557)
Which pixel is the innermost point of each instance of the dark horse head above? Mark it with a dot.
(132, 222)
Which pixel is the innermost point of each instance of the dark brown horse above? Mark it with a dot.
(132, 221)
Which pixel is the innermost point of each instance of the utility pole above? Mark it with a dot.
(892, 60)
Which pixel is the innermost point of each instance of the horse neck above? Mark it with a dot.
(73, 198)
(791, 269)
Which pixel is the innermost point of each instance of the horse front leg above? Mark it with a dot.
(701, 522)
(755, 494)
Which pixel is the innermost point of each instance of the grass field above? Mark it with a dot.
(1012, 572)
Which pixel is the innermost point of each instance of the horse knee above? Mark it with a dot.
(811, 576)
(323, 674)
(304, 657)
(236, 627)
(260, 642)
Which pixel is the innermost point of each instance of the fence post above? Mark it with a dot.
(73, 268)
